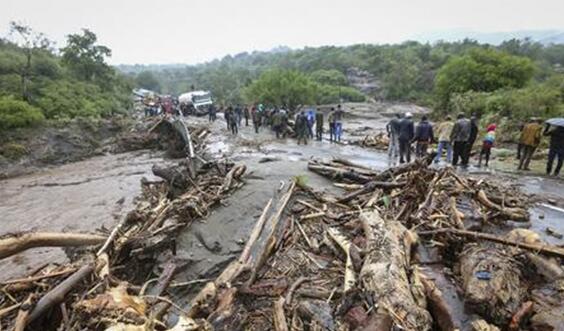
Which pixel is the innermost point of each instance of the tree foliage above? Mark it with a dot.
(78, 83)
(85, 58)
(287, 88)
(481, 70)
(147, 80)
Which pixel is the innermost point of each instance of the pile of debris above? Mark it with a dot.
(123, 282)
(321, 262)
(379, 140)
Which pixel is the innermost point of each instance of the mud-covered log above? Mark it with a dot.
(57, 295)
(438, 306)
(491, 281)
(20, 242)
(514, 214)
(338, 173)
(384, 274)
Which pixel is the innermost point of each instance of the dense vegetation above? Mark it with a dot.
(38, 82)
(518, 77)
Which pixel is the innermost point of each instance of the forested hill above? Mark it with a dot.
(39, 83)
(407, 71)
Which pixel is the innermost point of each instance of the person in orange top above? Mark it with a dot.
(530, 139)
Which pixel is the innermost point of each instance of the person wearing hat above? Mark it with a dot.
(487, 144)
(459, 137)
(406, 134)
(530, 138)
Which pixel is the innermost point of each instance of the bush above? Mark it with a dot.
(18, 114)
(13, 151)
(333, 94)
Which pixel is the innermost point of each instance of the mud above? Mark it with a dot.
(76, 197)
(87, 195)
(32, 149)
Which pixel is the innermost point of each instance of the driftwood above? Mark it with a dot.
(57, 295)
(539, 248)
(383, 272)
(20, 242)
(514, 214)
(491, 281)
(279, 319)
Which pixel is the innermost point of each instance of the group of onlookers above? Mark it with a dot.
(278, 120)
(458, 137)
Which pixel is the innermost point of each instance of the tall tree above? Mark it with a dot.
(30, 41)
(85, 58)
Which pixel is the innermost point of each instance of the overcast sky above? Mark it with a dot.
(190, 31)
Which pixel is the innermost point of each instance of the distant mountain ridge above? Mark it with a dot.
(545, 37)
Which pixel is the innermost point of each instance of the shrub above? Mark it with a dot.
(18, 114)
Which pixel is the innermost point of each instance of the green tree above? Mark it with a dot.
(286, 88)
(85, 58)
(147, 80)
(30, 41)
(481, 70)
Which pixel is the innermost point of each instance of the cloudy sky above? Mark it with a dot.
(191, 31)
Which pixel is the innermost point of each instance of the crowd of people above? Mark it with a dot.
(280, 122)
(457, 139)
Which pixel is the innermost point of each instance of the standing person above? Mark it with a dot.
(283, 122)
(520, 143)
(331, 120)
(556, 147)
(319, 125)
(301, 127)
(531, 139)
(211, 113)
(277, 123)
(238, 114)
(227, 114)
(444, 130)
(234, 123)
(255, 115)
(423, 137)
(487, 144)
(459, 137)
(406, 134)
(310, 121)
(247, 115)
(471, 139)
(338, 118)
(393, 128)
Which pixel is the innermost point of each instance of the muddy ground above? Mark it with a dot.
(87, 195)
(25, 151)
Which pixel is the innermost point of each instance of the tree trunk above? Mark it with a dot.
(20, 242)
(388, 247)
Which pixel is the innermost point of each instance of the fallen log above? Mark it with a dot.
(539, 248)
(57, 294)
(21, 242)
(491, 281)
(514, 214)
(384, 275)
(369, 187)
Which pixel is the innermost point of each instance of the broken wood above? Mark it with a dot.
(279, 318)
(540, 248)
(20, 242)
(383, 272)
(57, 294)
